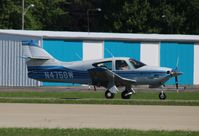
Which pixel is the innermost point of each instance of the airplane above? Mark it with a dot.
(110, 73)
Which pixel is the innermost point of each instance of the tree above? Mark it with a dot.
(124, 16)
(10, 14)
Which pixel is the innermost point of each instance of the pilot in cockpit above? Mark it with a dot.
(121, 65)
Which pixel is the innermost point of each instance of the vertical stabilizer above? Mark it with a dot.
(32, 50)
(37, 56)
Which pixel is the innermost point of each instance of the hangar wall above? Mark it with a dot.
(196, 63)
(169, 54)
(153, 50)
(122, 49)
(13, 71)
(150, 53)
(93, 50)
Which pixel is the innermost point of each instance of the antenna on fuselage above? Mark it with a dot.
(110, 52)
(78, 56)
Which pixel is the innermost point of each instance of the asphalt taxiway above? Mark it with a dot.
(99, 116)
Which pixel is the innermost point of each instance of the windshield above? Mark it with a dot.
(136, 63)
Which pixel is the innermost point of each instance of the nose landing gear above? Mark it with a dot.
(109, 95)
(162, 95)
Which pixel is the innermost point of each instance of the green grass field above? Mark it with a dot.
(91, 97)
(90, 132)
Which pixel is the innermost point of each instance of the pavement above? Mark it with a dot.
(99, 116)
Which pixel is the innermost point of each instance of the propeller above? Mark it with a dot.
(175, 74)
(176, 77)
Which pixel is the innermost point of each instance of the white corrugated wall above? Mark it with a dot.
(13, 71)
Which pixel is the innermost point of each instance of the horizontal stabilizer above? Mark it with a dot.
(35, 58)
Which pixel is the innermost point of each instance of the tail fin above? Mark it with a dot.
(31, 50)
(37, 56)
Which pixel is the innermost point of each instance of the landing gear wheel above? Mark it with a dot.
(109, 95)
(126, 95)
(162, 96)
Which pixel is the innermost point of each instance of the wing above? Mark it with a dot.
(105, 77)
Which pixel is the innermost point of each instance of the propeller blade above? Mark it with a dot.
(94, 88)
(177, 63)
(175, 73)
(176, 80)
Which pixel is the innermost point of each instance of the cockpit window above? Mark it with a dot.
(136, 63)
(121, 65)
(105, 64)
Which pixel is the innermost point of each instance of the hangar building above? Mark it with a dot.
(152, 49)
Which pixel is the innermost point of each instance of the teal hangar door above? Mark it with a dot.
(170, 52)
(122, 49)
(63, 51)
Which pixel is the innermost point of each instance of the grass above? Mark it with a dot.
(91, 132)
(98, 95)
(90, 97)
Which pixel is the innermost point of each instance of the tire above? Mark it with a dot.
(109, 95)
(162, 96)
(125, 96)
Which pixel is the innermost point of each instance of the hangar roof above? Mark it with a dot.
(103, 36)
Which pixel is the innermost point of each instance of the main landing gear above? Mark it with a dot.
(126, 94)
(109, 95)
